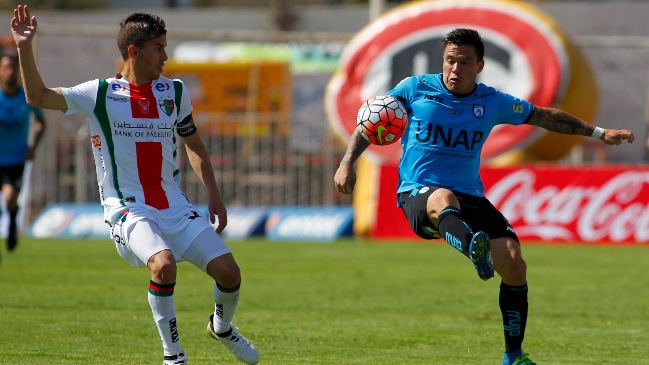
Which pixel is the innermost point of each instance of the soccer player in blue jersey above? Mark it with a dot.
(440, 190)
(15, 147)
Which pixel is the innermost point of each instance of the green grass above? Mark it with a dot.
(349, 302)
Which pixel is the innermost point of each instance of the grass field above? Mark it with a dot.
(349, 302)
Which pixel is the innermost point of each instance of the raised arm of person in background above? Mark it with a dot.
(23, 29)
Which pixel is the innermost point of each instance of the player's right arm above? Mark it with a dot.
(23, 29)
(345, 177)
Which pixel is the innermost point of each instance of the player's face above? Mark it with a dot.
(461, 68)
(8, 72)
(151, 57)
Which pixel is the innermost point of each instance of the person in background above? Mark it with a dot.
(15, 146)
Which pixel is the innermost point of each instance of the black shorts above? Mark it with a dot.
(477, 211)
(12, 175)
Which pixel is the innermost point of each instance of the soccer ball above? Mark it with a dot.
(381, 120)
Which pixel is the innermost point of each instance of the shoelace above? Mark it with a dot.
(523, 360)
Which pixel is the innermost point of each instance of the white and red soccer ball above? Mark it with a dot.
(381, 120)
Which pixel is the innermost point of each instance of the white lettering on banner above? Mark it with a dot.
(51, 223)
(611, 211)
(89, 224)
(605, 215)
(319, 226)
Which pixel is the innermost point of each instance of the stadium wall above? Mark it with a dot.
(73, 47)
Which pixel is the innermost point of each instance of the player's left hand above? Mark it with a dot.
(218, 211)
(617, 136)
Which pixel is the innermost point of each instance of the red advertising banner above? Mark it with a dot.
(607, 204)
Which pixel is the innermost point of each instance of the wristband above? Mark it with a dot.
(598, 133)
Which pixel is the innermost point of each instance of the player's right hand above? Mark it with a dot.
(345, 178)
(616, 137)
(23, 26)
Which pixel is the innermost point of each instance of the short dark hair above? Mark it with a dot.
(13, 57)
(138, 28)
(465, 37)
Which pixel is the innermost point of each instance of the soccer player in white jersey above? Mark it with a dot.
(134, 119)
(440, 191)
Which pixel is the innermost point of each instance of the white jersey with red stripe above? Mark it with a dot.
(133, 135)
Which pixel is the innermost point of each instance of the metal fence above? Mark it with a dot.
(294, 169)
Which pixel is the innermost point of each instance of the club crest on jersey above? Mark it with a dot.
(167, 106)
(478, 111)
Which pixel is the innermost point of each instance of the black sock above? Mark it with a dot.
(513, 305)
(454, 229)
(12, 236)
(13, 214)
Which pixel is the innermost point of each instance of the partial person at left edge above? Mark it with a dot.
(17, 146)
(135, 120)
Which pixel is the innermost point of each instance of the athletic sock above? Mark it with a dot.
(161, 299)
(225, 304)
(12, 236)
(513, 305)
(454, 229)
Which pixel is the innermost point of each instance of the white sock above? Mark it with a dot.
(161, 300)
(224, 306)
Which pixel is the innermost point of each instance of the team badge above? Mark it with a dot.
(167, 106)
(478, 111)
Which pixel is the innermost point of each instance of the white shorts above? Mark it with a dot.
(142, 232)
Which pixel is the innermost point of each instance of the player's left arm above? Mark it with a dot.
(560, 121)
(199, 159)
(39, 130)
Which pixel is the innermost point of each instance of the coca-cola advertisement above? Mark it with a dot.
(604, 204)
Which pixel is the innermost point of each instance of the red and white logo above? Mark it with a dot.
(525, 56)
(607, 204)
(96, 140)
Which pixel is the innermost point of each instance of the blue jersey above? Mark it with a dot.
(14, 127)
(445, 133)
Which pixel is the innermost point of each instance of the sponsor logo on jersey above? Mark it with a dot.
(118, 87)
(145, 106)
(96, 140)
(434, 98)
(518, 107)
(162, 87)
(117, 98)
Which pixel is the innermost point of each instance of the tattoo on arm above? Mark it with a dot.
(557, 120)
(357, 145)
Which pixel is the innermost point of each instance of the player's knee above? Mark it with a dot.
(225, 271)
(163, 268)
(440, 198)
(514, 272)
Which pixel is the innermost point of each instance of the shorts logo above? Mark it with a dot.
(96, 140)
(424, 189)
